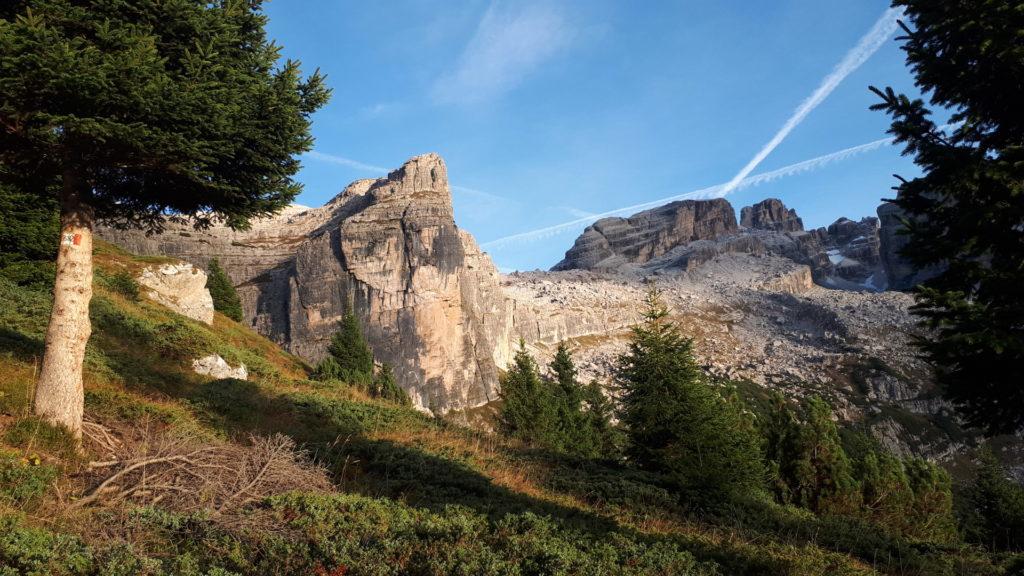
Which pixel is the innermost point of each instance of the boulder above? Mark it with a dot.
(180, 287)
(217, 367)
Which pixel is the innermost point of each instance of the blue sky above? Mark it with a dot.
(547, 111)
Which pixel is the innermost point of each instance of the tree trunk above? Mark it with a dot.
(59, 396)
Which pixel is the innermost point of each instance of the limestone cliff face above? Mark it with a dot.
(429, 300)
(611, 243)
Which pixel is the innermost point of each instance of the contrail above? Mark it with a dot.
(716, 191)
(868, 45)
(324, 157)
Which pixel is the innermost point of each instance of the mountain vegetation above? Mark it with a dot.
(350, 359)
(965, 213)
(360, 485)
(225, 298)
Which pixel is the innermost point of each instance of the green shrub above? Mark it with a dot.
(23, 480)
(121, 282)
(35, 434)
(37, 552)
(182, 339)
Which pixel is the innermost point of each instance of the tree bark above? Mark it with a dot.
(59, 396)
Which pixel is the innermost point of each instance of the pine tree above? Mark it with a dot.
(349, 349)
(675, 422)
(885, 490)
(807, 463)
(821, 475)
(931, 516)
(529, 411)
(225, 298)
(385, 387)
(966, 212)
(137, 113)
(993, 507)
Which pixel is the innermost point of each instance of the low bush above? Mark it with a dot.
(23, 479)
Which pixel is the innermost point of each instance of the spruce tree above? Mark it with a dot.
(225, 298)
(29, 227)
(529, 411)
(965, 213)
(675, 422)
(386, 388)
(349, 349)
(806, 459)
(133, 113)
(575, 427)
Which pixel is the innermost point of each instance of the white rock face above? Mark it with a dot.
(215, 366)
(180, 287)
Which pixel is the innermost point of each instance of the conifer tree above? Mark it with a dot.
(386, 388)
(29, 227)
(965, 213)
(675, 422)
(528, 412)
(225, 298)
(930, 516)
(133, 113)
(993, 507)
(608, 439)
(885, 490)
(806, 459)
(349, 349)
(564, 371)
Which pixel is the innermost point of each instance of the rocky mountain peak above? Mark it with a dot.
(771, 214)
(610, 243)
(429, 300)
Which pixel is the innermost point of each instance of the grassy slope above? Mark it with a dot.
(413, 494)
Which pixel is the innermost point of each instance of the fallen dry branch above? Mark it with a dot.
(186, 474)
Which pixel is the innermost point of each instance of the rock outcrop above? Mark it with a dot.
(901, 274)
(611, 243)
(217, 367)
(180, 287)
(771, 214)
(429, 300)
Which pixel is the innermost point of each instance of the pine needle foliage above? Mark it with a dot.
(965, 213)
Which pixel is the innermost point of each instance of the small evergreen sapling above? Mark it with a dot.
(225, 298)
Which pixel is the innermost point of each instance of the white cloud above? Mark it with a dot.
(858, 55)
(510, 42)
